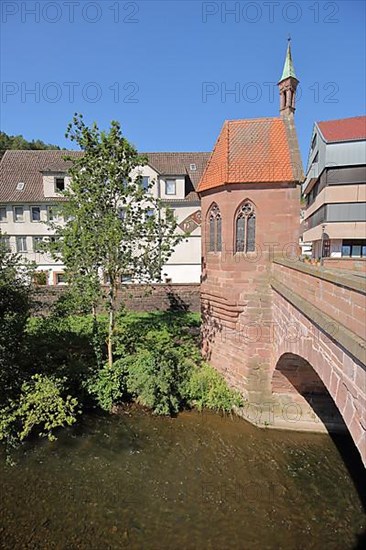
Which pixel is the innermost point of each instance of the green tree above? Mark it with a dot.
(15, 301)
(19, 142)
(113, 226)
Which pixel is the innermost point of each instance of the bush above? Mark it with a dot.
(42, 406)
(108, 386)
(157, 379)
(207, 389)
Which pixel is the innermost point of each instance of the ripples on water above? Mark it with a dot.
(199, 481)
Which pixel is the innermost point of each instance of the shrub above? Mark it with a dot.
(206, 388)
(108, 386)
(157, 379)
(42, 406)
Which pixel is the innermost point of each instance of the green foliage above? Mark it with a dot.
(40, 277)
(157, 379)
(208, 389)
(108, 386)
(42, 406)
(109, 228)
(158, 364)
(15, 302)
(19, 142)
(66, 347)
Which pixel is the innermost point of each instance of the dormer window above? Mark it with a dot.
(170, 187)
(59, 184)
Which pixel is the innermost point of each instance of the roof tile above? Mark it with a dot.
(27, 167)
(343, 129)
(251, 151)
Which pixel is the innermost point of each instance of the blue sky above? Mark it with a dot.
(165, 69)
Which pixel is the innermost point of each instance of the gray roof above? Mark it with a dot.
(27, 167)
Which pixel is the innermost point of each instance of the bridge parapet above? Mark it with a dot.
(340, 296)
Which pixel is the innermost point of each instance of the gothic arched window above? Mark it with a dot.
(245, 228)
(214, 226)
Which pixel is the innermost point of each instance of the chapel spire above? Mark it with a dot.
(288, 84)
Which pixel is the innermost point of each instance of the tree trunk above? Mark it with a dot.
(96, 342)
(111, 323)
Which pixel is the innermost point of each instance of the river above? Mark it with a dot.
(198, 481)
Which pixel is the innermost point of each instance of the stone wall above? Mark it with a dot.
(164, 297)
(351, 264)
(236, 292)
(342, 296)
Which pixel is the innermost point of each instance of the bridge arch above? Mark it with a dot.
(301, 396)
(319, 344)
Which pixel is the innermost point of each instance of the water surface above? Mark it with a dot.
(199, 481)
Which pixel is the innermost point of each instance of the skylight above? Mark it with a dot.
(20, 186)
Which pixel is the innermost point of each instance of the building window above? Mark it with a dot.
(21, 243)
(126, 278)
(313, 143)
(5, 241)
(215, 229)
(37, 241)
(145, 182)
(326, 248)
(245, 227)
(3, 217)
(170, 187)
(192, 167)
(354, 248)
(35, 213)
(60, 279)
(18, 214)
(316, 158)
(59, 184)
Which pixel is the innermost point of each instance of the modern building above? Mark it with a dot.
(30, 182)
(335, 193)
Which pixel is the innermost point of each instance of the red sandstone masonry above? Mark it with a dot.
(140, 297)
(345, 305)
(342, 375)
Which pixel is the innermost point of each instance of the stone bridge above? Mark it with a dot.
(295, 348)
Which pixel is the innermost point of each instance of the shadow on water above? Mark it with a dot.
(353, 463)
(299, 377)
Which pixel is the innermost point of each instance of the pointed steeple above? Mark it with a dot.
(288, 68)
(288, 84)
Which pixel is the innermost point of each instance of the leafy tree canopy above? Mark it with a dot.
(19, 142)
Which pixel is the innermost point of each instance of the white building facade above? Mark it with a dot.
(30, 185)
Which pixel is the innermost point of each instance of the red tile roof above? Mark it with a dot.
(262, 150)
(343, 129)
